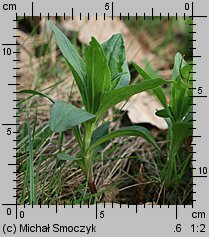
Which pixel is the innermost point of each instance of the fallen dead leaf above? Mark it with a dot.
(141, 108)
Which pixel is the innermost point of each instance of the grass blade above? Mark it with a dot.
(33, 200)
(34, 92)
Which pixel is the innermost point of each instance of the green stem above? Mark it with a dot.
(92, 187)
(90, 175)
(170, 170)
(88, 131)
(61, 138)
(77, 135)
(87, 135)
(86, 163)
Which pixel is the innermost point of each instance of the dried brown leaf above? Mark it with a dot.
(141, 108)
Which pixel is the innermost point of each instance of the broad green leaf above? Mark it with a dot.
(64, 156)
(179, 63)
(98, 133)
(34, 92)
(114, 97)
(121, 79)
(180, 132)
(128, 131)
(126, 77)
(116, 80)
(75, 62)
(117, 76)
(162, 113)
(114, 50)
(158, 91)
(65, 115)
(98, 74)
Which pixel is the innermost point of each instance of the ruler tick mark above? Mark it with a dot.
(112, 10)
(198, 176)
(11, 44)
(72, 13)
(176, 211)
(10, 124)
(96, 211)
(56, 207)
(32, 9)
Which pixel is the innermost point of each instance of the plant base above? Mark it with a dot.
(92, 187)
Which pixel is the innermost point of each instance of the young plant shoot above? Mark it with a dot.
(102, 77)
(177, 114)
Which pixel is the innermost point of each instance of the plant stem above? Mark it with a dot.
(87, 135)
(92, 187)
(170, 170)
(88, 130)
(89, 174)
(61, 138)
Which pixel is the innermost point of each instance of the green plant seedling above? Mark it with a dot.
(177, 114)
(102, 78)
